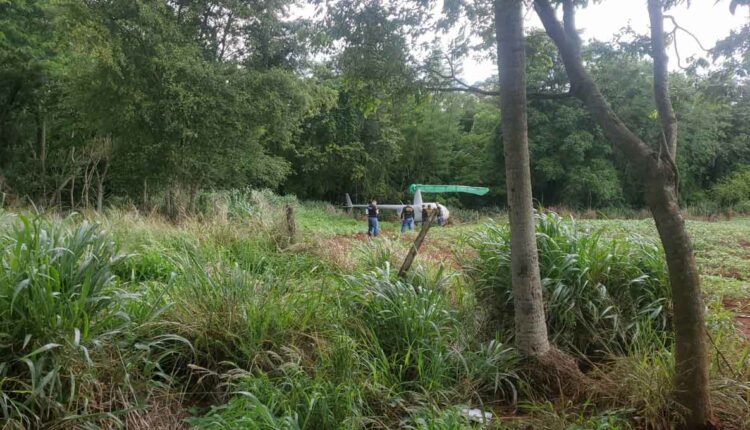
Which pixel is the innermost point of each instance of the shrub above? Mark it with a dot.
(230, 314)
(415, 344)
(733, 189)
(150, 264)
(377, 254)
(291, 399)
(58, 300)
(600, 293)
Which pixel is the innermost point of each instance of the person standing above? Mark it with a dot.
(407, 217)
(372, 219)
(425, 215)
(440, 218)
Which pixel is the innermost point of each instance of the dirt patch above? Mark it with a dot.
(741, 309)
(744, 243)
(338, 248)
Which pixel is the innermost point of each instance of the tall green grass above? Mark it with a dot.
(601, 293)
(416, 344)
(58, 300)
(393, 354)
(230, 314)
(136, 323)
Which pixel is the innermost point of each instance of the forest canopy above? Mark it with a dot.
(153, 102)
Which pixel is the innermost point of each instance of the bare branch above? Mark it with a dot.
(679, 27)
(455, 84)
(677, 50)
(473, 90)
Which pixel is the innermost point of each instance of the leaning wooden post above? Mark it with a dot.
(291, 226)
(416, 245)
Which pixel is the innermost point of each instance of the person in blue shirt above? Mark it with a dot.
(407, 217)
(372, 219)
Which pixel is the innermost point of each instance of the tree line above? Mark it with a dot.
(153, 102)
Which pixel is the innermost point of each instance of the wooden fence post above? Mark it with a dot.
(291, 226)
(416, 245)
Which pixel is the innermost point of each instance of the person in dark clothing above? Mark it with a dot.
(407, 217)
(425, 215)
(372, 219)
(440, 218)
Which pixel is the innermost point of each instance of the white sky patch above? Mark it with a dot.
(708, 20)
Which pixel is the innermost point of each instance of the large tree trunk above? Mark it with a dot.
(691, 354)
(530, 324)
(659, 170)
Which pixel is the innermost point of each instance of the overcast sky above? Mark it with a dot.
(706, 19)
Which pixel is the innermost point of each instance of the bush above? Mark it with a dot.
(292, 399)
(379, 254)
(414, 342)
(411, 330)
(733, 189)
(231, 315)
(600, 293)
(58, 300)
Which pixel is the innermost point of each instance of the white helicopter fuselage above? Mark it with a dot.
(417, 205)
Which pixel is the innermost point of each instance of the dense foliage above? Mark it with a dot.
(152, 102)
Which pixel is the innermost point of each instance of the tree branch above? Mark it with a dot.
(661, 78)
(583, 87)
(455, 84)
(679, 27)
(469, 89)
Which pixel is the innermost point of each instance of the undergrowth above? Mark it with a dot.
(601, 293)
(219, 322)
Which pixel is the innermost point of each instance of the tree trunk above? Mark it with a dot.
(86, 185)
(72, 194)
(227, 28)
(171, 204)
(530, 324)
(193, 190)
(660, 172)
(42, 120)
(691, 354)
(661, 77)
(145, 194)
(100, 177)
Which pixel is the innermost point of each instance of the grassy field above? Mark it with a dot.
(222, 321)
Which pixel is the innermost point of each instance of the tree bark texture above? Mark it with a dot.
(660, 176)
(661, 77)
(530, 324)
